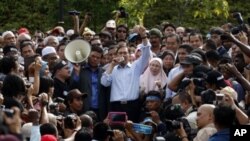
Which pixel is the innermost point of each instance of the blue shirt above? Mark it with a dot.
(124, 81)
(94, 88)
(222, 135)
(172, 74)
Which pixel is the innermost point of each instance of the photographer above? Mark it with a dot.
(187, 64)
(174, 121)
(188, 108)
(121, 32)
(216, 33)
(12, 120)
(71, 124)
(153, 110)
(134, 132)
(204, 123)
(102, 132)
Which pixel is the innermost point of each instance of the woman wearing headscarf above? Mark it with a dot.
(154, 78)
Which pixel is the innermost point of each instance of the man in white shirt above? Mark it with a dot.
(124, 78)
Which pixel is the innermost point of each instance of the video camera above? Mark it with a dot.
(198, 82)
(176, 124)
(74, 12)
(123, 13)
(241, 26)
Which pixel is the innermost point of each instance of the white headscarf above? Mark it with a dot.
(147, 79)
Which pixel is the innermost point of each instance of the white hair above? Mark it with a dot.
(49, 37)
(6, 33)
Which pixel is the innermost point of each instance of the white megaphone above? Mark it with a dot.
(77, 51)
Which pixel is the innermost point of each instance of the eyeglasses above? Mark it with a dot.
(122, 31)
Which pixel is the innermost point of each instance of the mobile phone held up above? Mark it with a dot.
(117, 118)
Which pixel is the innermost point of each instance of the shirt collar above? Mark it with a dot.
(128, 65)
(87, 66)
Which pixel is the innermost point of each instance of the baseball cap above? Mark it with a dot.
(111, 24)
(132, 37)
(58, 65)
(23, 30)
(88, 31)
(230, 91)
(75, 93)
(8, 49)
(105, 33)
(48, 138)
(192, 59)
(156, 32)
(26, 130)
(215, 77)
(70, 32)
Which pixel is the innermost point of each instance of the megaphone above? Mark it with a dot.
(77, 51)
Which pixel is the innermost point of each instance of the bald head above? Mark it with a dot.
(208, 108)
(86, 121)
(205, 115)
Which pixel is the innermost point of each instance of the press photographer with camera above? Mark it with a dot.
(216, 34)
(121, 32)
(71, 124)
(204, 123)
(189, 109)
(103, 132)
(187, 66)
(153, 109)
(12, 121)
(174, 120)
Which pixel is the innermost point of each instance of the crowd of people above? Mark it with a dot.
(137, 84)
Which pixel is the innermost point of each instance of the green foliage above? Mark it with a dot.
(43, 14)
(137, 9)
(201, 14)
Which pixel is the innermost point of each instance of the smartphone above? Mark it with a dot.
(29, 60)
(117, 117)
(219, 98)
(142, 128)
(120, 59)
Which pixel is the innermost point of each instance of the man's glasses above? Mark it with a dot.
(122, 31)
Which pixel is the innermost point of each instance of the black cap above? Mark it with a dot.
(9, 48)
(173, 112)
(192, 59)
(105, 33)
(58, 65)
(215, 77)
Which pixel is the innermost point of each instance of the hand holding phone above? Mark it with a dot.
(117, 117)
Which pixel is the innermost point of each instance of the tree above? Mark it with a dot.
(179, 12)
(136, 9)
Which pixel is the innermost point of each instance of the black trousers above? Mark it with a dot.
(132, 108)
